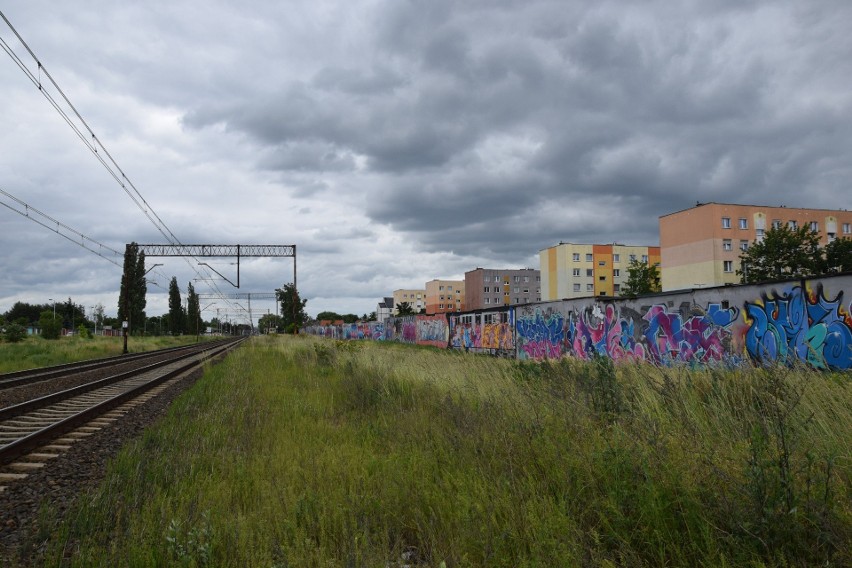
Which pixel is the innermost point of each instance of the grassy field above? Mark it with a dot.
(37, 352)
(304, 452)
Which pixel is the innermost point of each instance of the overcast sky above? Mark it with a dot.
(397, 141)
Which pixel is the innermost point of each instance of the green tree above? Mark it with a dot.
(131, 297)
(783, 253)
(193, 311)
(50, 325)
(838, 256)
(177, 317)
(404, 309)
(327, 315)
(350, 318)
(15, 333)
(642, 278)
(293, 314)
(269, 323)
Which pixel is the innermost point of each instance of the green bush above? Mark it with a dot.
(15, 333)
(51, 327)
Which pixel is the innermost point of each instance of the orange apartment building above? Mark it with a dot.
(701, 246)
(570, 270)
(444, 296)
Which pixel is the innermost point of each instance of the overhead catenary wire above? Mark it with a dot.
(58, 226)
(86, 135)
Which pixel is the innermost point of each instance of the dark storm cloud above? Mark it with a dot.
(456, 132)
(651, 107)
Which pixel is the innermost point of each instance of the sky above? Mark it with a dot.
(395, 141)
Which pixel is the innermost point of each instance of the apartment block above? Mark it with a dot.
(701, 246)
(489, 287)
(415, 298)
(570, 270)
(444, 296)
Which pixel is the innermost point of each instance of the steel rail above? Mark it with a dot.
(17, 378)
(40, 437)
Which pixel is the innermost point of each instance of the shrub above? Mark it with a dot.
(15, 333)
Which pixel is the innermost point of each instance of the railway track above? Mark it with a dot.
(36, 430)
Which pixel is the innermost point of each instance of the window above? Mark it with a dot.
(793, 225)
(602, 278)
(486, 289)
(576, 257)
(728, 266)
(517, 301)
(575, 272)
(497, 278)
(526, 290)
(814, 226)
(632, 257)
(601, 263)
(601, 293)
(726, 222)
(440, 306)
(743, 246)
(487, 300)
(776, 223)
(449, 288)
(743, 223)
(576, 287)
(590, 287)
(517, 278)
(440, 288)
(590, 272)
(645, 258)
(616, 272)
(726, 244)
(847, 228)
(526, 278)
(589, 257)
(831, 237)
(759, 235)
(538, 278)
(616, 288)
(616, 258)
(517, 289)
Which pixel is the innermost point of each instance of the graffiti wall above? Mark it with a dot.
(805, 321)
(486, 331)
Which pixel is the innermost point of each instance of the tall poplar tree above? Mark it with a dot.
(193, 311)
(177, 319)
(131, 297)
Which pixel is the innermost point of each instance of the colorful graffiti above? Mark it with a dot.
(698, 339)
(470, 333)
(541, 335)
(657, 336)
(432, 330)
(800, 326)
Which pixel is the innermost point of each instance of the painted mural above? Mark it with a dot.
(800, 325)
(488, 332)
(799, 321)
(432, 330)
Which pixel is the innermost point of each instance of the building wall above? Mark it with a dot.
(490, 287)
(699, 248)
(443, 296)
(571, 270)
(417, 299)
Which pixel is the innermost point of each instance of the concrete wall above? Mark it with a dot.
(805, 321)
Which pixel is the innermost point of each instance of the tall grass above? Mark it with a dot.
(38, 352)
(303, 452)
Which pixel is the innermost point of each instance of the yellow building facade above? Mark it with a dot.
(570, 270)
